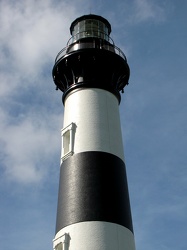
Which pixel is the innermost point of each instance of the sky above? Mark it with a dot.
(153, 109)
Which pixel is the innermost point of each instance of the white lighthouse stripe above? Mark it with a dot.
(95, 113)
(94, 235)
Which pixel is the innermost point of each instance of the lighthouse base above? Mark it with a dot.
(94, 235)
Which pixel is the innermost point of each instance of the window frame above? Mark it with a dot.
(65, 153)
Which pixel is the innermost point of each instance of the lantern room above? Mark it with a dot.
(90, 26)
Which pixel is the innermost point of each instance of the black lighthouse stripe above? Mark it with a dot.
(93, 187)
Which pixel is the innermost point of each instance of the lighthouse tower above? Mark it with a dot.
(93, 202)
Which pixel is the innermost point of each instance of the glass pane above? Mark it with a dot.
(90, 28)
(66, 142)
(81, 26)
(95, 25)
(59, 247)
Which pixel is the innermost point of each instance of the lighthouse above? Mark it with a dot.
(93, 211)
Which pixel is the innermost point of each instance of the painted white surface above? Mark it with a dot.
(96, 235)
(95, 113)
(62, 242)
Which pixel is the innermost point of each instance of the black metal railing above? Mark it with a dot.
(95, 44)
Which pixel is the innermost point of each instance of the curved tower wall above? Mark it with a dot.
(93, 202)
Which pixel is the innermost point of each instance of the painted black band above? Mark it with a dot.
(93, 187)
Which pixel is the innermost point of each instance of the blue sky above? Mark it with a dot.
(153, 35)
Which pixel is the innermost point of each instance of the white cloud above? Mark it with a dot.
(32, 33)
(148, 10)
(28, 145)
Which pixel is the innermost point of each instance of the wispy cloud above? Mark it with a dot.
(28, 145)
(145, 10)
(29, 35)
(32, 33)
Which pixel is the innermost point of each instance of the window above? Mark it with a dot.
(68, 136)
(59, 247)
(90, 28)
(62, 242)
(66, 142)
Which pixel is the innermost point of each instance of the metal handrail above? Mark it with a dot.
(87, 45)
(61, 54)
